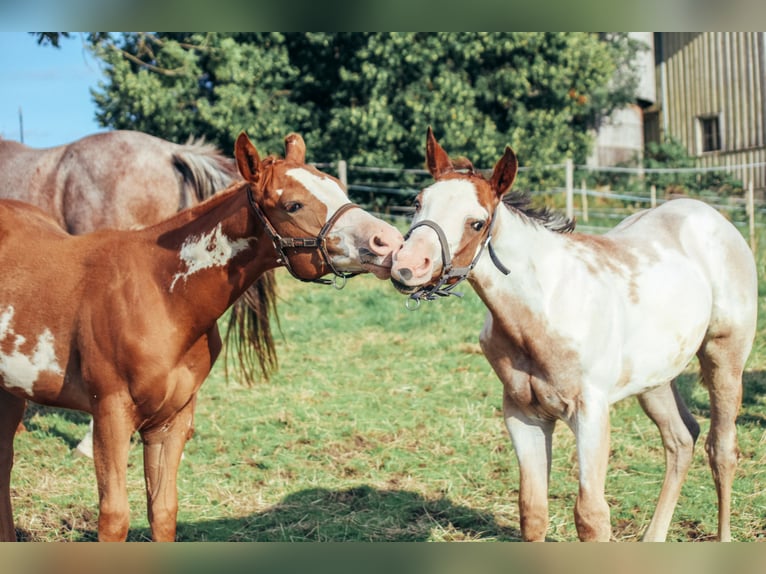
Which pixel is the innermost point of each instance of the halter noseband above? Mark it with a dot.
(318, 243)
(444, 286)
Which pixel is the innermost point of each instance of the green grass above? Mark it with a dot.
(381, 424)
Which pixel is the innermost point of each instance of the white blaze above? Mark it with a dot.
(20, 370)
(213, 249)
(324, 188)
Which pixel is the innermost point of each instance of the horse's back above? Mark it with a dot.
(28, 174)
(118, 179)
(25, 218)
(712, 245)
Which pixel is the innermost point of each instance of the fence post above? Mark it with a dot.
(653, 191)
(570, 187)
(343, 172)
(584, 196)
(751, 213)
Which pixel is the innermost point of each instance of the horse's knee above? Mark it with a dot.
(592, 519)
(723, 455)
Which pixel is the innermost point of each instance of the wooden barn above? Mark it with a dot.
(706, 90)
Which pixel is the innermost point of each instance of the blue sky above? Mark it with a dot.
(52, 88)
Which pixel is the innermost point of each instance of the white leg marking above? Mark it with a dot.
(211, 249)
(19, 370)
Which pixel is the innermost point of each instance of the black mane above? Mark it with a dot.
(519, 201)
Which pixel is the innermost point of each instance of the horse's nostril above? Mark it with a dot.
(405, 274)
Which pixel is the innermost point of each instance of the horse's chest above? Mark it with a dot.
(541, 377)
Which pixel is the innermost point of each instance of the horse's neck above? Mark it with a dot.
(525, 248)
(533, 254)
(213, 252)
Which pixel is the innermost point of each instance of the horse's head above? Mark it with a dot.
(452, 220)
(303, 203)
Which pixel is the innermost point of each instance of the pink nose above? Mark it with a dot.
(387, 240)
(410, 267)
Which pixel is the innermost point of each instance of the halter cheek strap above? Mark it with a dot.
(442, 287)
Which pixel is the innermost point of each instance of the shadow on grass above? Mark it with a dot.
(33, 410)
(752, 411)
(362, 513)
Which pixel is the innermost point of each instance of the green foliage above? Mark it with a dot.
(368, 97)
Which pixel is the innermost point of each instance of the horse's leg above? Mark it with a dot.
(11, 412)
(722, 363)
(590, 424)
(679, 432)
(112, 429)
(532, 444)
(163, 447)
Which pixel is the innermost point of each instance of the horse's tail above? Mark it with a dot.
(204, 170)
(248, 335)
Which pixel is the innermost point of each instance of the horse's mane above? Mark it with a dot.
(519, 202)
(203, 168)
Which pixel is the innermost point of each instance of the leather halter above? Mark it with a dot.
(318, 243)
(452, 276)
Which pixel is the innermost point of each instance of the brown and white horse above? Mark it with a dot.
(122, 324)
(118, 179)
(577, 322)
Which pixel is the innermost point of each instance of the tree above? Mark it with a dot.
(368, 97)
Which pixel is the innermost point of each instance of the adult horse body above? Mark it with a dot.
(122, 324)
(577, 322)
(119, 179)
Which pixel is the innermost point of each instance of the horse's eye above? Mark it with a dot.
(293, 207)
(477, 225)
(416, 205)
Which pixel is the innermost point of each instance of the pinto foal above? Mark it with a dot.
(122, 324)
(578, 322)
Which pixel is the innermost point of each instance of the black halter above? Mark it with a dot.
(444, 286)
(318, 243)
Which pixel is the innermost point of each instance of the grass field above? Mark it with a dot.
(381, 425)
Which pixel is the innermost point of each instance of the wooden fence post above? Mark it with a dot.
(584, 196)
(751, 213)
(343, 172)
(570, 187)
(653, 191)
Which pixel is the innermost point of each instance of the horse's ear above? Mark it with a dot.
(504, 172)
(437, 159)
(248, 161)
(295, 148)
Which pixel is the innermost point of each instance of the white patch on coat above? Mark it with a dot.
(213, 249)
(22, 371)
(325, 189)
